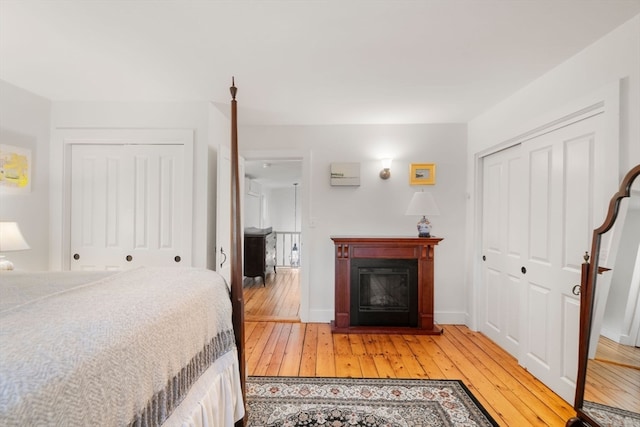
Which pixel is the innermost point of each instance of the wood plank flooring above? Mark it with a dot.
(506, 390)
(276, 300)
(613, 377)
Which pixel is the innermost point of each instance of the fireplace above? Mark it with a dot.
(384, 285)
(384, 292)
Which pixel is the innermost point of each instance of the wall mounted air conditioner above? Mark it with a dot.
(345, 174)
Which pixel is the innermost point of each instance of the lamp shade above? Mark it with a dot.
(11, 238)
(422, 203)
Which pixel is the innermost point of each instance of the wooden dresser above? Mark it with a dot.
(259, 252)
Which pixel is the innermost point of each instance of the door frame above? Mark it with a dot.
(60, 218)
(305, 214)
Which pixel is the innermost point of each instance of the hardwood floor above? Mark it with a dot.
(506, 390)
(277, 300)
(613, 376)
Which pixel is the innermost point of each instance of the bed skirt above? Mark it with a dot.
(214, 400)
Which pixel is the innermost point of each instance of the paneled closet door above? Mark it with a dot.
(503, 219)
(562, 169)
(127, 206)
(157, 182)
(100, 198)
(541, 201)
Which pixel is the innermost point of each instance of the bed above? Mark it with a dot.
(144, 347)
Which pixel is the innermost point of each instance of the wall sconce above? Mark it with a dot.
(385, 173)
(11, 239)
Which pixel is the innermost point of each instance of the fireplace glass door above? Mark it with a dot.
(384, 292)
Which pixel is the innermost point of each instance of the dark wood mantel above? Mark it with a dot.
(351, 247)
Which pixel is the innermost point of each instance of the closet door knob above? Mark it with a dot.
(129, 258)
(576, 290)
(76, 256)
(177, 258)
(524, 270)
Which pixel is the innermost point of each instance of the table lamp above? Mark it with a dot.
(11, 240)
(424, 204)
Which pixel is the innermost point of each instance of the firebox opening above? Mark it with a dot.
(384, 292)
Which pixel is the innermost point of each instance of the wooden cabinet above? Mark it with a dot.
(259, 252)
(348, 249)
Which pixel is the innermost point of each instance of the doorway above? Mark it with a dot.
(272, 199)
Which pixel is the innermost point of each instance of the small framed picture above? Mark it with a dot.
(422, 174)
(15, 169)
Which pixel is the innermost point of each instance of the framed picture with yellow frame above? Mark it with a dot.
(422, 174)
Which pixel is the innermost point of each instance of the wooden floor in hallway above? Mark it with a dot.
(276, 300)
(291, 348)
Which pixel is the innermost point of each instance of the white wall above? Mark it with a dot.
(24, 122)
(614, 59)
(281, 210)
(251, 210)
(376, 207)
(193, 116)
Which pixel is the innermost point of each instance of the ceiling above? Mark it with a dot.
(299, 62)
(274, 173)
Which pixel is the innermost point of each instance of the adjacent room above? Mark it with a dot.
(395, 195)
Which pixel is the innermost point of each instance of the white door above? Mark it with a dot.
(501, 294)
(540, 206)
(223, 209)
(223, 213)
(128, 207)
(562, 171)
(99, 238)
(157, 185)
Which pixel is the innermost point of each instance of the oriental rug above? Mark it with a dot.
(335, 402)
(611, 416)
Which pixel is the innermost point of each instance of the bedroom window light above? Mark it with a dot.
(11, 240)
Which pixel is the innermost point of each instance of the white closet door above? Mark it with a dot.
(99, 197)
(541, 201)
(501, 293)
(562, 168)
(127, 207)
(157, 182)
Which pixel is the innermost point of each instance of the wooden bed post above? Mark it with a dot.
(237, 299)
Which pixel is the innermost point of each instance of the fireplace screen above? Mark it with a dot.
(384, 292)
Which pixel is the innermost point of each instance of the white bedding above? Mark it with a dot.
(120, 349)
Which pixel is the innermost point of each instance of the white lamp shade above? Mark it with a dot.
(423, 203)
(11, 238)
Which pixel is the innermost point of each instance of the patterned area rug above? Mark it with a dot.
(609, 416)
(335, 402)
